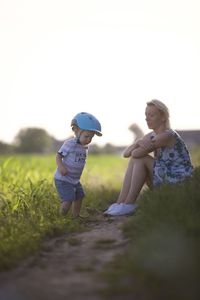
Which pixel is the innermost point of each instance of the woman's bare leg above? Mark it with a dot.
(126, 182)
(138, 172)
(142, 171)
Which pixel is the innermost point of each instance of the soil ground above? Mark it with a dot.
(68, 267)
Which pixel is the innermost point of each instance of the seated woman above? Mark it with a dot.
(170, 164)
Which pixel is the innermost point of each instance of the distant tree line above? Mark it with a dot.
(38, 141)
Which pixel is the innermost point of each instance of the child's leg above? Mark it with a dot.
(65, 207)
(77, 203)
(66, 193)
(76, 207)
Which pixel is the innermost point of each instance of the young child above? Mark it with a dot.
(71, 159)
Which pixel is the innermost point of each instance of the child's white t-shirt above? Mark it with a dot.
(74, 157)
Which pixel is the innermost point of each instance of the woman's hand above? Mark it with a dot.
(147, 144)
(128, 150)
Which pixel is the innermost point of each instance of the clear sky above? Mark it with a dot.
(106, 57)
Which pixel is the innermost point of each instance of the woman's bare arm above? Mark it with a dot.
(128, 151)
(151, 143)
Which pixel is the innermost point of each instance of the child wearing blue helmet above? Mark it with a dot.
(71, 158)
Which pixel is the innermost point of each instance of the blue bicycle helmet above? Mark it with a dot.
(86, 121)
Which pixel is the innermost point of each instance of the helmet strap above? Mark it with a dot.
(78, 135)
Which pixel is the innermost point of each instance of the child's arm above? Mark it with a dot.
(61, 167)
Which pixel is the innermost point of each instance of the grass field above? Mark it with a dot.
(164, 253)
(29, 204)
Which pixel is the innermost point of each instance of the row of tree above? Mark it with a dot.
(37, 140)
(29, 140)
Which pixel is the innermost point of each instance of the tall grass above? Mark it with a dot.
(28, 207)
(163, 260)
(29, 204)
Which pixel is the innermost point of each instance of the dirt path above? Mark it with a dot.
(69, 267)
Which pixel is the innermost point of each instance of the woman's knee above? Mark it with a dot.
(146, 161)
(139, 160)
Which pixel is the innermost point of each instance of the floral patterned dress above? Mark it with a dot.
(172, 164)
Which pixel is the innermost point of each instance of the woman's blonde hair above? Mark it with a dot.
(163, 109)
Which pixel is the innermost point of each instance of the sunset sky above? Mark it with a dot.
(106, 57)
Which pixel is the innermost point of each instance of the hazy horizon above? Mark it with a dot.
(105, 57)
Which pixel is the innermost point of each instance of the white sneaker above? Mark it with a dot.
(111, 208)
(123, 209)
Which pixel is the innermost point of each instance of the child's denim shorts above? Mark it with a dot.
(68, 191)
